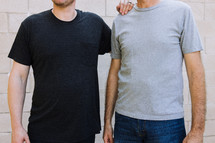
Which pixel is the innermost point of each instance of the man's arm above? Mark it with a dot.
(111, 96)
(16, 96)
(196, 76)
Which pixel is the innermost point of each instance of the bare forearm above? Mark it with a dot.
(198, 98)
(111, 96)
(16, 96)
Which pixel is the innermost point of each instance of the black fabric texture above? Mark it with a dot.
(64, 56)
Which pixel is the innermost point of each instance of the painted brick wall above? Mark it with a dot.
(13, 12)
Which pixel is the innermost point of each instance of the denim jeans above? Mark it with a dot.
(130, 130)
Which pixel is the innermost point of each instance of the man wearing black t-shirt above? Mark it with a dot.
(62, 46)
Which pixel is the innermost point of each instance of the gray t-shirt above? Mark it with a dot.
(150, 43)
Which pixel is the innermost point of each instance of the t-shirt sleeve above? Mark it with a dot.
(105, 44)
(190, 38)
(115, 46)
(20, 50)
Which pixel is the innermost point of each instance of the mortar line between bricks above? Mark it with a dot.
(209, 135)
(210, 54)
(9, 112)
(11, 64)
(4, 72)
(210, 86)
(204, 12)
(210, 120)
(12, 33)
(3, 32)
(7, 22)
(28, 6)
(105, 8)
(109, 16)
(4, 112)
(5, 132)
(194, 2)
(205, 48)
(17, 12)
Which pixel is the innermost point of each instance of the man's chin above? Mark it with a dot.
(62, 3)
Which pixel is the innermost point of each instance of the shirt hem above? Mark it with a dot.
(113, 56)
(192, 51)
(18, 60)
(57, 141)
(152, 117)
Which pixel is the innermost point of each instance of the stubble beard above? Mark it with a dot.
(63, 4)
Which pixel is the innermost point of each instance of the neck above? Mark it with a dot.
(65, 13)
(147, 3)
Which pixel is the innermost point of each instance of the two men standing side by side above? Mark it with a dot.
(145, 84)
(62, 46)
(145, 79)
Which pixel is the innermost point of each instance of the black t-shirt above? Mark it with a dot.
(64, 57)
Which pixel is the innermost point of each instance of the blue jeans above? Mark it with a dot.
(130, 130)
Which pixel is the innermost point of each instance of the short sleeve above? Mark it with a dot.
(115, 46)
(20, 50)
(190, 38)
(105, 43)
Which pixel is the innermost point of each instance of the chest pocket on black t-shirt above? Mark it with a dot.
(89, 54)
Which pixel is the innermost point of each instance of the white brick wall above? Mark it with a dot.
(6, 40)
(4, 23)
(13, 12)
(4, 63)
(15, 20)
(97, 6)
(15, 6)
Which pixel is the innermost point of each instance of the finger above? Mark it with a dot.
(121, 7)
(27, 139)
(127, 8)
(105, 139)
(118, 8)
(131, 6)
(111, 140)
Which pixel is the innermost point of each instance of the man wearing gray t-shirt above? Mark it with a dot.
(145, 78)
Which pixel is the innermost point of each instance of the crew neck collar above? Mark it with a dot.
(72, 21)
(149, 8)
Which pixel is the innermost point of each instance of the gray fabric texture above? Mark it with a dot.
(151, 43)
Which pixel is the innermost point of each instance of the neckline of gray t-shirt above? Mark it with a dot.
(149, 8)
